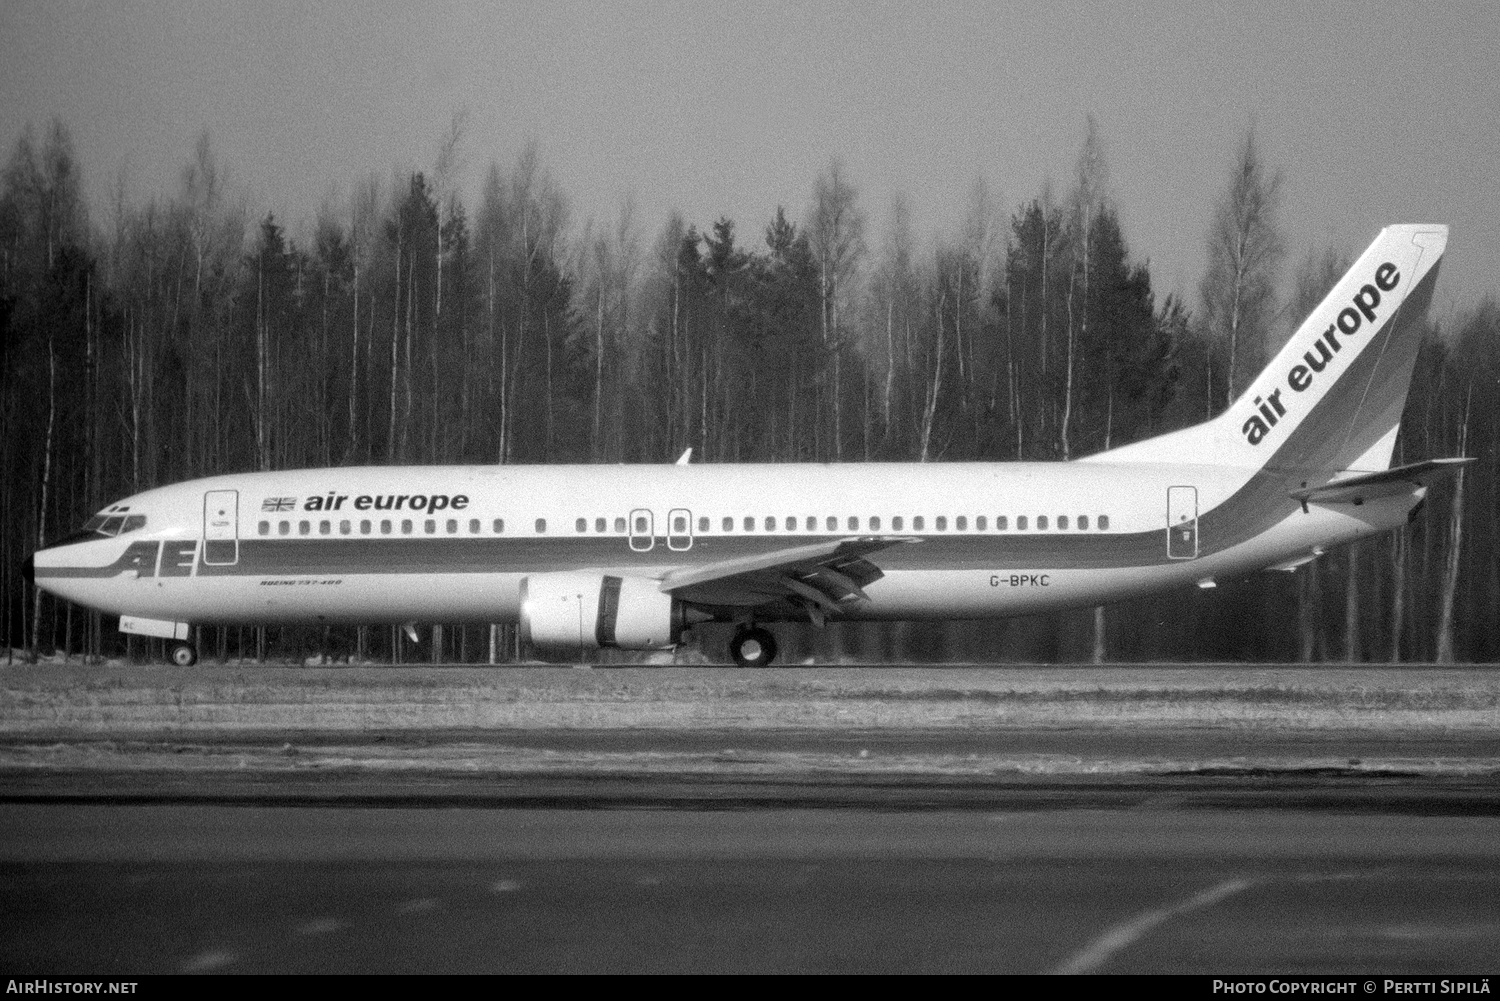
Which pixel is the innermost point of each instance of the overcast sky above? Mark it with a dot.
(1377, 112)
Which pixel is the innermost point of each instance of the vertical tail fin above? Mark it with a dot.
(1333, 395)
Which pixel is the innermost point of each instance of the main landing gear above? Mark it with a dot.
(753, 647)
(184, 654)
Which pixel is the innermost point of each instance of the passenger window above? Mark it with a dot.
(600, 524)
(770, 523)
(942, 522)
(619, 524)
(364, 527)
(853, 523)
(896, 523)
(283, 527)
(1083, 522)
(1002, 523)
(1104, 523)
(405, 526)
(304, 528)
(702, 524)
(640, 525)
(581, 525)
(473, 526)
(875, 523)
(961, 523)
(918, 523)
(452, 526)
(1062, 522)
(791, 523)
(728, 524)
(325, 528)
(1020, 523)
(749, 524)
(499, 525)
(679, 525)
(833, 524)
(541, 526)
(981, 523)
(264, 528)
(385, 526)
(1041, 523)
(430, 526)
(345, 527)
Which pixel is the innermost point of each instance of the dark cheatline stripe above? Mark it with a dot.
(359, 556)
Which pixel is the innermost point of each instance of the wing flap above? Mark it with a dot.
(822, 575)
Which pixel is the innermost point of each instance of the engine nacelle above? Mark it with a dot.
(588, 611)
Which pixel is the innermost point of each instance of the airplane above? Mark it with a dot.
(633, 556)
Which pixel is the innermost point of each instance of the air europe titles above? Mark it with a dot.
(389, 502)
(1271, 409)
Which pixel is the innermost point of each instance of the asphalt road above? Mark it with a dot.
(1157, 888)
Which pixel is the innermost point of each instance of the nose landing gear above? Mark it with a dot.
(753, 647)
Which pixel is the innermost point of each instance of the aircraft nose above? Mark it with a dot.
(28, 569)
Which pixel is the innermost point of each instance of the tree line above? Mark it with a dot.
(187, 336)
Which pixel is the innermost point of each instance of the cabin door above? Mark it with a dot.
(1182, 523)
(679, 529)
(221, 519)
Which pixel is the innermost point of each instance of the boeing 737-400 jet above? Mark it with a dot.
(631, 556)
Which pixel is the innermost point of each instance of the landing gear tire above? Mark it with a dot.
(184, 654)
(754, 647)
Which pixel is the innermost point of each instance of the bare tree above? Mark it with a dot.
(1245, 248)
(935, 388)
(1089, 195)
(894, 292)
(835, 232)
(1455, 545)
(443, 176)
(364, 208)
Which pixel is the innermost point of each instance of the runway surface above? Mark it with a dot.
(1246, 820)
(155, 889)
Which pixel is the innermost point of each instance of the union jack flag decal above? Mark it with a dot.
(279, 504)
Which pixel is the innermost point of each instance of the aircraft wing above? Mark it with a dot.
(1387, 483)
(822, 575)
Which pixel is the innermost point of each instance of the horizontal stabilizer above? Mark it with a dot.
(1361, 487)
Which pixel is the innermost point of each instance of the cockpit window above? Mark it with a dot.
(113, 524)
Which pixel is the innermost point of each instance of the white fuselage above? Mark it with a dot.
(996, 539)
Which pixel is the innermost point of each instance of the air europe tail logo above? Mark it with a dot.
(1362, 310)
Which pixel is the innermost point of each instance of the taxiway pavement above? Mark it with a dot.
(148, 889)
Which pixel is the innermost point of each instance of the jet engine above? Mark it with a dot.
(588, 611)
